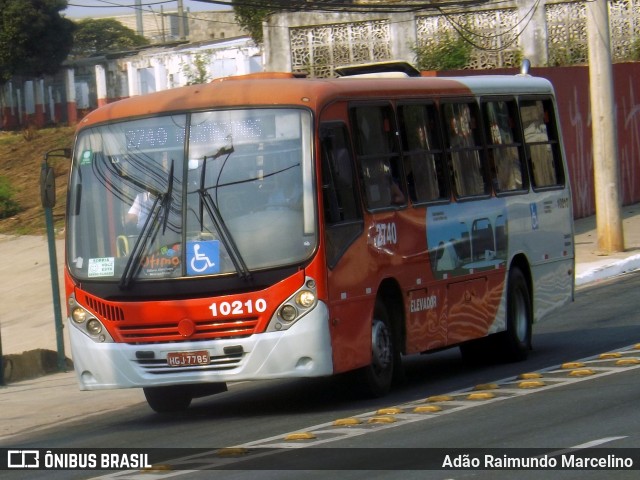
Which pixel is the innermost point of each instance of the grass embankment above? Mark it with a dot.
(21, 158)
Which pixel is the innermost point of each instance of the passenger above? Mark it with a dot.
(139, 211)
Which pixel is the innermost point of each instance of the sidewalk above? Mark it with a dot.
(592, 266)
(27, 324)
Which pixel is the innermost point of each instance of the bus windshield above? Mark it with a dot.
(207, 193)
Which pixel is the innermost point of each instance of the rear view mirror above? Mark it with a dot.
(48, 179)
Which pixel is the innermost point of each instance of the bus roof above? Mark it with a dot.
(284, 89)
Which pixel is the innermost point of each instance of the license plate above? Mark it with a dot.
(183, 359)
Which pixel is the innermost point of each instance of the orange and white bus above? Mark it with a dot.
(269, 226)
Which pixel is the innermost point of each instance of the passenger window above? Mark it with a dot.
(541, 141)
(422, 153)
(504, 146)
(465, 149)
(378, 156)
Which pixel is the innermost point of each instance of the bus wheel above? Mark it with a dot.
(515, 342)
(168, 399)
(377, 377)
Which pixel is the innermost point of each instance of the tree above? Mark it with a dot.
(196, 71)
(104, 35)
(251, 17)
(450, 52)
(34, 38)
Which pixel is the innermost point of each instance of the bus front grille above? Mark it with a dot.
(104, 309)
(170, 332)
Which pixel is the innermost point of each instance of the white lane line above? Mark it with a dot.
(583, 446)
(595, 443)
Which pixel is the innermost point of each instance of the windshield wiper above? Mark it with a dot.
(206, 202)
(167, 200)
(161, 205)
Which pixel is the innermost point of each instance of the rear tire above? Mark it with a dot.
(515, 342)
(168, 399)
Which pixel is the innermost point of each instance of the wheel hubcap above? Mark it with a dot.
(381, 345)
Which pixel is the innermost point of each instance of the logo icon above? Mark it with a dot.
(534, 216)
(23, 459)
(203, 258)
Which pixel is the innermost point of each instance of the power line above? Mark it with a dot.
(108, 4)
(466, 33)
(341, 6)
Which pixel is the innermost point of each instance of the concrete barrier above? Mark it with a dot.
(31, 364)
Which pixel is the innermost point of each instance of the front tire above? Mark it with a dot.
(377, 377)
(168, 399)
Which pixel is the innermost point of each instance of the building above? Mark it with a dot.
(88, 83)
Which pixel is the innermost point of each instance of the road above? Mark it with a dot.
(571, 408)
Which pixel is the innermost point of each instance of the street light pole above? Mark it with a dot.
(604, 131)
(48, 198)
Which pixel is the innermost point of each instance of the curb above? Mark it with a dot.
(607, 270)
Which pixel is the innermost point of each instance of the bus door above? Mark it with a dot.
(345, 246)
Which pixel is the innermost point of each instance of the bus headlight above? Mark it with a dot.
(94, 327)
(295, 307)
(79, 315)
(87, 323)
(306, 299)
(288, 313)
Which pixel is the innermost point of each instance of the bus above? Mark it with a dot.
(271, 226)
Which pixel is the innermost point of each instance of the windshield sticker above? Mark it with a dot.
(203, 258)
(163, 262)
(101, 267)
(85, 159)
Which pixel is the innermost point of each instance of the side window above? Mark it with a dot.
(343, 216)
(464, 146)
(378, 156)
(422, 153)
(504, 146)
(541, 141)
(338, 179)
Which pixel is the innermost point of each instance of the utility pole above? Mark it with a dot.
(164, 37)
(139, 23)
(180, 20)
(604, 131)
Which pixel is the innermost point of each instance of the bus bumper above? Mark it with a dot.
(303, 350)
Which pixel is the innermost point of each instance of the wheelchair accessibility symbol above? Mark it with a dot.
(534, 216)
(203, 258)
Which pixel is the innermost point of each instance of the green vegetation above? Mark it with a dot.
(100, 35)
(574, 53)
(8, 206)
(21, 155)
(34, 39)
(251, 17)
(450, 52)
(196, 72)
(635, 50)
